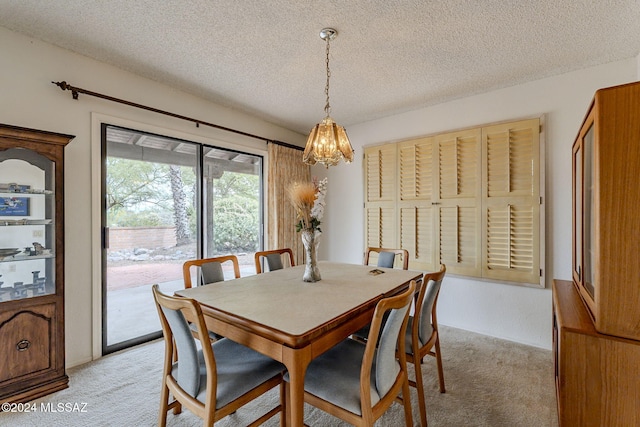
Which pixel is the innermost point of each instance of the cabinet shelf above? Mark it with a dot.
(26, 257)
(23, 222)
(26, 193)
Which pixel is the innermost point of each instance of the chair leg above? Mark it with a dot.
(439, 363)
(283, 404)
(406, 400)
(164, 406)
(287, 408)
(420, 390)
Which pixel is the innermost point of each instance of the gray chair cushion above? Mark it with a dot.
(189, 376)
(387, 366)
(409, 338)
(239, 370)
(335, 376)
(426, 328)
(211, 273)
(274, 261)
(386, 259)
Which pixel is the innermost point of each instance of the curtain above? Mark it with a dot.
(285, 168)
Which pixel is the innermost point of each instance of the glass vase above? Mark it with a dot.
(310, 241)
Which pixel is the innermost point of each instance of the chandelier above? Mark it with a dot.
(328, 142)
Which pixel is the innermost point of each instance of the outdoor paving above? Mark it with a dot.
(131, 311)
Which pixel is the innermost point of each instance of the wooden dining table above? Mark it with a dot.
(279, 315)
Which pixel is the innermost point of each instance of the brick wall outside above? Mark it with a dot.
(141, 237)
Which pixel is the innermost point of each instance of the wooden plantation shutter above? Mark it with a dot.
(380, 200)
(511, 195)
(417, 211)
(458, 201)
(469, 199)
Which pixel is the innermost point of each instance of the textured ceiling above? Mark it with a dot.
(265, 56)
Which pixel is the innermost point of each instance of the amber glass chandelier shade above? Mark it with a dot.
(327, 144)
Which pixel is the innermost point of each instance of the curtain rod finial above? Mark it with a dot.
(64, 86)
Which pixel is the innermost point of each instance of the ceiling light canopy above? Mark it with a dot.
(328, 142)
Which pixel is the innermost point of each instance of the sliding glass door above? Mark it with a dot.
(166, 201)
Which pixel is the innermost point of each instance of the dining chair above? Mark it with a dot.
(422, 336)
(358, 382)
(387, 257)
(273, 258)
(216, 380)
(210, 269)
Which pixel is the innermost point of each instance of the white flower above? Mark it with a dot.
(318, 205)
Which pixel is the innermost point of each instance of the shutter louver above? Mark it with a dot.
(387, 227)
(374, 189)
(416, 236)
(381, 171)
(459, 239)
(380, 227)
(510, 237)
(510, 162)
(416, 169)
(373, 227)
(459, 164)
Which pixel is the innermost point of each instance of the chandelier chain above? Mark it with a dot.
(327, 107)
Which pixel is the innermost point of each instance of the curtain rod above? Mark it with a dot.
(76, 90)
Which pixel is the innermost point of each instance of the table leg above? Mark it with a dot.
(296, 361)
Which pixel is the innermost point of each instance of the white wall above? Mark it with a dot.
(512, 312)
(29, 99)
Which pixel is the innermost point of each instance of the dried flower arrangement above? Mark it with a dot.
(308, 200)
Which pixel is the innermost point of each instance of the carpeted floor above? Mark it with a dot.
(490, 382)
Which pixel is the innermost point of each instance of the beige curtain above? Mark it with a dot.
(285, 168)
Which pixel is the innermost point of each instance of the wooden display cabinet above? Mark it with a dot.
(31, 263)
(606, 223)
(597, 375)
(596, 317)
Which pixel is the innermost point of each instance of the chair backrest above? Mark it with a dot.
(382, 346)
(426, 302)
(274, 259)
(210, 269)
(173, 313)
(387, 257)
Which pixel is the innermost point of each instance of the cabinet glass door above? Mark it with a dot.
(27, 225)
(589, 224)
(577, 212)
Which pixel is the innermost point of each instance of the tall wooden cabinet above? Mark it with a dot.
(597, 375)
(606, 223)
(597, 315)
(31, 263)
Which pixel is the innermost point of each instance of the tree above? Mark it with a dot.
(131, 183)
(180, 217)
(237, 212)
